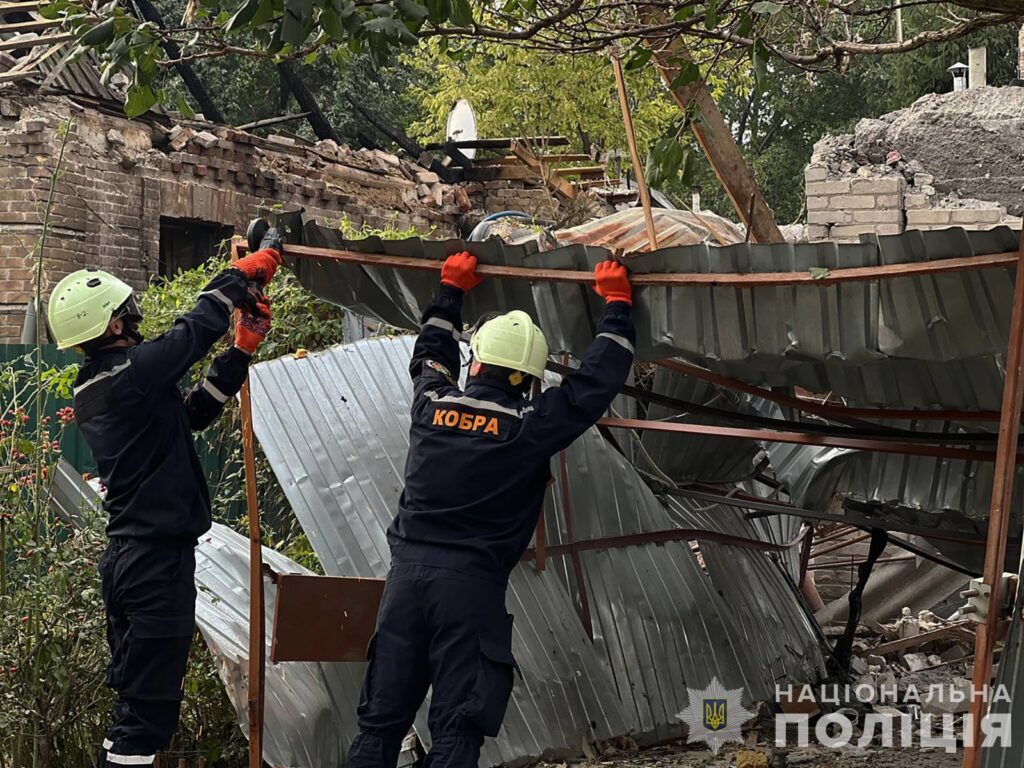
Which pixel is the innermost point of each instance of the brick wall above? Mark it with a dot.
(120, 177)
(842, 208)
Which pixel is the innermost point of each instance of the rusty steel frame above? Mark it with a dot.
(257, 626)
(656, 537)
(840, 413)
(800, 438)
(999, 513)
(724, 279)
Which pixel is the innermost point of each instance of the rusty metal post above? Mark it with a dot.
(257, 627)
(634, 154)
(999, 513)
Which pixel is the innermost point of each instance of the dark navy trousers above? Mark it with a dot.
(150, 596)
(445, 630)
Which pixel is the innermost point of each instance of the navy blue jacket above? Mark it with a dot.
(478, 461)
(138, 423)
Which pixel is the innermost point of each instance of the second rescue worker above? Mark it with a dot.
(475, 479)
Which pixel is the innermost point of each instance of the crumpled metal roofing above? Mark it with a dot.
(334, 427)
(930, 341)
(688, 458)
(948, 496)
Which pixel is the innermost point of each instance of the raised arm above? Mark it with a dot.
(168, 357)
(205, 401)
(436, 361)
(565, 412)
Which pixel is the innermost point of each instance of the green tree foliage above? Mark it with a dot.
(518, 91)
(815, 35)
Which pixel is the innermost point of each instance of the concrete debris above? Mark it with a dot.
(948, 160)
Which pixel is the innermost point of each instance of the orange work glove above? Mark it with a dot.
(252, 327)
(613, 282)
(460, 271)
(259, 266)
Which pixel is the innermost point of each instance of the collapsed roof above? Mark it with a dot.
(334, 426)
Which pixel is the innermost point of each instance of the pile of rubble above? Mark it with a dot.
(953, 159)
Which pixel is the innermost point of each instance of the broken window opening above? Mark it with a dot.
(187, 243)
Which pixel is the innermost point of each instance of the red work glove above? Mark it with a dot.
(460, 271)
(259, 266)
(252, 327)
(613, 282)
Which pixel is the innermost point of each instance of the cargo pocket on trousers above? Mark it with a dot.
(495, 677)
(367, 689)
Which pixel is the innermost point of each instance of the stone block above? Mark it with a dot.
(923, 179)
(852, 202)
(854, 231)
(817, 232)
(886, 186)
(838, 187)
(817, 203)
(929, 216)
(877, 216)
(915, 201)
(816, 173)
(976, 216)
(829, 217)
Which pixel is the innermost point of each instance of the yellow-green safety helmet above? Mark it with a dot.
(82, 305)
(511, 341)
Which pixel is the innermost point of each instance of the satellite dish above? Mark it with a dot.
(461, 126)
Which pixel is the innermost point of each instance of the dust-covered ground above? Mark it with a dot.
(682, 755)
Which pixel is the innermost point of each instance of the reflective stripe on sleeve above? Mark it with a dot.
(440, 322)
(622, 341)
(215, 393)
(216, 294)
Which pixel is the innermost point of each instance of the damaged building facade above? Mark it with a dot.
(146, 198)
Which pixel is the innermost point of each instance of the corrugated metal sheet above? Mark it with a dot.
(687, 458)
(626, 231)
(948, 495)
(334, 427)
(310, 708)
(933, 341)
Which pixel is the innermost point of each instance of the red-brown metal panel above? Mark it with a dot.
(324, 618)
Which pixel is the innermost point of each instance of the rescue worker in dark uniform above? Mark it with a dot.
(475, 479)
(138, 424)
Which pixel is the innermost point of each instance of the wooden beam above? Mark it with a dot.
(10, 77)
(581, 171)
(715, 139)
(29, 6)
(503, 143)
(269, 121)
(634, 155)
(16, 43)
(999, 513)
(148, 12)
(958, 631)
(257, 627)
(546, 173)
(29, 26)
